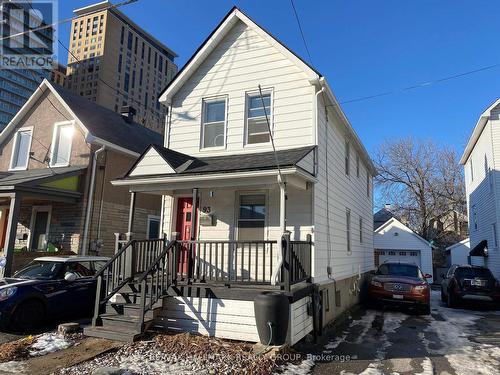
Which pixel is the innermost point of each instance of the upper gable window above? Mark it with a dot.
(257, 130)
(213, 123)
(21, 149)
(61, 144)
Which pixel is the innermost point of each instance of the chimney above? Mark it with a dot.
(387, 206)
(128, 113)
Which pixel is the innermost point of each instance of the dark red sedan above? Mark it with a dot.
(402, 284)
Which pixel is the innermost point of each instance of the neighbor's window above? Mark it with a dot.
(213, 123)
(252, 217)
(367, 184)
(20, 152)
(61, 144)
(348, 228)
(357, 165)
(257, 108)
(347, 157)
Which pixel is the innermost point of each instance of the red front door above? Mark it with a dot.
(184, 227)
(4, 228)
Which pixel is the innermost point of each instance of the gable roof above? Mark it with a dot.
(464, 242)
(99, 124)
(478, 129)
(183, 164)
(393, 221)
(213, 39)
(381, 217)
(314, 77)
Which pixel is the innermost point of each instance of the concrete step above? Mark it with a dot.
(104, 333)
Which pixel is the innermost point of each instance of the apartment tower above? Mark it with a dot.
(116, 63)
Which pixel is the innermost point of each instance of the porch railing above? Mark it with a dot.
(249, 262)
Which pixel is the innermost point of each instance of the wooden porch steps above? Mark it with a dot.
(120, 320)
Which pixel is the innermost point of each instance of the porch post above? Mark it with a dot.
(194, 210)
(282, 207)
(10, 240)
(131, 213)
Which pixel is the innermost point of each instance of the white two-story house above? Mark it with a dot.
(481, 161)
(257, 149)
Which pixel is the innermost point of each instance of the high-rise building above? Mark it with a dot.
(116, 63)
(17, 84)
(58, 74)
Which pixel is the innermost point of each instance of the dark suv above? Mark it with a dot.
(469, 283)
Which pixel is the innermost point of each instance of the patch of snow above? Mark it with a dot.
(333, 344)
(427, 366)
(12, 367)
(302, 368)
(48, 343)
(365, 323)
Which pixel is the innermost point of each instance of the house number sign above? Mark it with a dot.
(206, 209)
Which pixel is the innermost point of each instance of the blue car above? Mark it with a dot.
(48, 288)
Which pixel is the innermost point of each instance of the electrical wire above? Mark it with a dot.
(60, 22)
(301, 30)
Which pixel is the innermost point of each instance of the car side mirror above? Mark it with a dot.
(428, 276)
(70, 276)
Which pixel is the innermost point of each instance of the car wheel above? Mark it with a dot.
(426, 310)
(28, 315)
(443, 296)
(451, 301)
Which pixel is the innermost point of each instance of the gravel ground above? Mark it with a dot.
(186, 354)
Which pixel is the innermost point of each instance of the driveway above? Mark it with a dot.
(449, 341)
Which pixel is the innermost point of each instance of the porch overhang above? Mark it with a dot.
(44, 184)
(295, 176)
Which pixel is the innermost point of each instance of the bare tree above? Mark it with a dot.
(423, 183)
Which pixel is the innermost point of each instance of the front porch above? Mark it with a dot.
(235, 226)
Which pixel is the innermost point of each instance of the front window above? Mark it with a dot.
(20, 152)
(252, 217)
(258, 108)
(213, 123)
(61, 144)
(38, 270)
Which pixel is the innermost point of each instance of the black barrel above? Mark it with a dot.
(273, 308)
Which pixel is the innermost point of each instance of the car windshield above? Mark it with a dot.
(471, 273)
(406, 270)
(40, 271)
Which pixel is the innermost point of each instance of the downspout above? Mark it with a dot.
(90, 199)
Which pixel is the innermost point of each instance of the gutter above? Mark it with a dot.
(90, 201)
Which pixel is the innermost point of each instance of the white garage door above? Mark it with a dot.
(406, 256)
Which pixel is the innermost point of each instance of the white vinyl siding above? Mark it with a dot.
(61, 144)
(482, 191)
(21, 149)
(330, 202)
(237, 65)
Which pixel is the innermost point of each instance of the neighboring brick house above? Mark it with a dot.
(59, 150)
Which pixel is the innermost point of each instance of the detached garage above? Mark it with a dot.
(394, 241)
